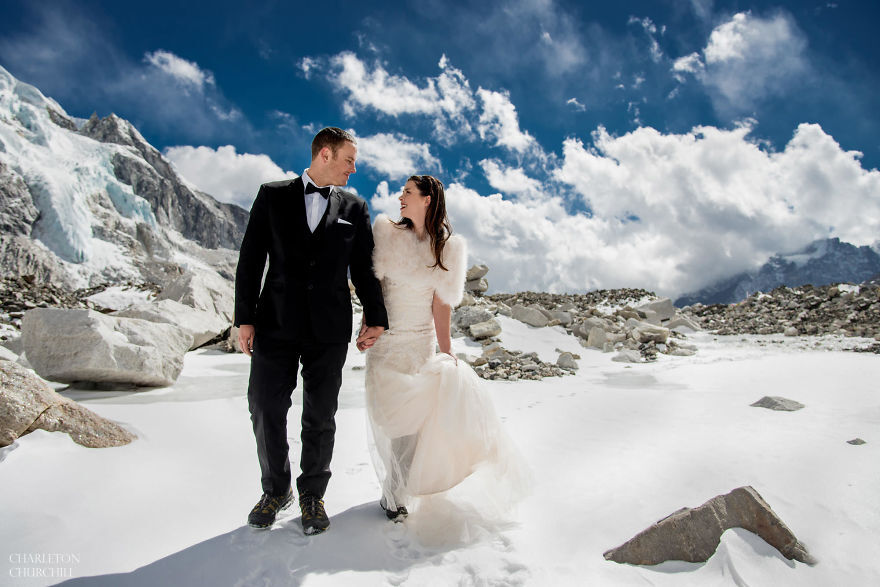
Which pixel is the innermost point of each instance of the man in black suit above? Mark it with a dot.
(313, 234)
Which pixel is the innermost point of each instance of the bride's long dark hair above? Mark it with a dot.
(436, 222)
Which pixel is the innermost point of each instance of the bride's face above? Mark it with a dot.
(413, 204)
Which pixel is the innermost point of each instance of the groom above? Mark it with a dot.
(312, 233)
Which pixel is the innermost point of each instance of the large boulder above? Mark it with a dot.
(778, 403)
(477, 285)
(202, 290)
(476, 272)
(201, 325)
(464, 316)
(662, 309)
(528, 315)
(84, 345)
(693, 534)
(28, 404)
(645, 332)
(486, 329)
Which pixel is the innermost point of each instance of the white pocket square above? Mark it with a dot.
(343, 221)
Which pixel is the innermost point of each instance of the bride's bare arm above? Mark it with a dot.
(442, 314)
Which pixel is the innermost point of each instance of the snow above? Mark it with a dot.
(614, 448)
(67, 174)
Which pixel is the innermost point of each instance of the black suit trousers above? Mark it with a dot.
(274, 367)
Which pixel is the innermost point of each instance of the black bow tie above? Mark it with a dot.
(324, 191)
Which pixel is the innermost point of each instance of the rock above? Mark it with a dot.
(467, 300)
(476, 272)
(28, 404)
(504, 310)
(681, 352)
(644, 332)
(856, 441)
(597, 338)
(477, 285)
(566, 361)
(496, 354)
(202, 290)
(486, 329)
(464, 316)
(201, 325)
(564, 318)
(791, 331)
(683, 323)
(663, 308)
(628, 356)
(777, 403)
(543, 310)
(84, 345)
(693, 534)
(529, 316)
(7, 355)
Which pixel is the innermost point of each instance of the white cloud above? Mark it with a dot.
(447, 98)
(670, 212)
(509, 180)
(228, 176)
(180, 69)
(651, 31)
(499, 121)
(396, 156)
(747, 59)
(577, 105)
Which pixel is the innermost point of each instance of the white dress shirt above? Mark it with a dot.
(316, 204)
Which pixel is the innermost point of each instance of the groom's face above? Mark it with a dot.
(341, 164)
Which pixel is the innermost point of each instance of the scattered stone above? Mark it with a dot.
(476, 272)
(791, 331)
(202, 290)
(856, 441)
(663, 308)
(693, 534)
(477, 285)
(566, 361)
(464, 316)
(780, 404)
(27, 403)
(486, 329)
(529, 316)
(84, 345)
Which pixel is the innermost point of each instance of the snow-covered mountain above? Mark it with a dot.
(821, 263)
(90, 201)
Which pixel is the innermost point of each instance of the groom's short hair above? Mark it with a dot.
(332, 137)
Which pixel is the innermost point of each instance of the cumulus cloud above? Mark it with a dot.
(396, 156)
(500, 122)
(186, 72)
(748, 59)
(509, 180)
(668, 212)
(228, 176)
(576, 104)
(446, 98)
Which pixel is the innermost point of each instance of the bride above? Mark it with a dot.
(439, 450)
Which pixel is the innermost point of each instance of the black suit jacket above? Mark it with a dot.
(305, 296)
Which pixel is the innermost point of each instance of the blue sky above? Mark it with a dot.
(659, 144)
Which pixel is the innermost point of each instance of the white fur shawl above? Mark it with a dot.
(400, 255)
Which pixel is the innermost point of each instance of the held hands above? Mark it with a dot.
(246, 338)
(368, 336)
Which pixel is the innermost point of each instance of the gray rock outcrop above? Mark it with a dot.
(693, 534)
(200, 324)
(28, 404)
(84, 345)
(780, 404)
(202, 290)
(530, 316)
(486, 329)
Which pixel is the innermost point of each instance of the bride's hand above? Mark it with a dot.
(454, 358)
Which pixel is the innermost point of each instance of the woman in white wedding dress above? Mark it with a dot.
(439, 449)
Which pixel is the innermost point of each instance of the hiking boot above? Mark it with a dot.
(263, 514)
(314, 518)
(397, 515)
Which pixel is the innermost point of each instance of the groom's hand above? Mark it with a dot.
(246, 338)
(368, 336)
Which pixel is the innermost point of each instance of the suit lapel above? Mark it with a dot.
(298, 201)
(332, 209)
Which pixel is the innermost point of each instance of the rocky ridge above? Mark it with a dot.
(849, 310)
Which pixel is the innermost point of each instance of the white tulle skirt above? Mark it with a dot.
(438, 446)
